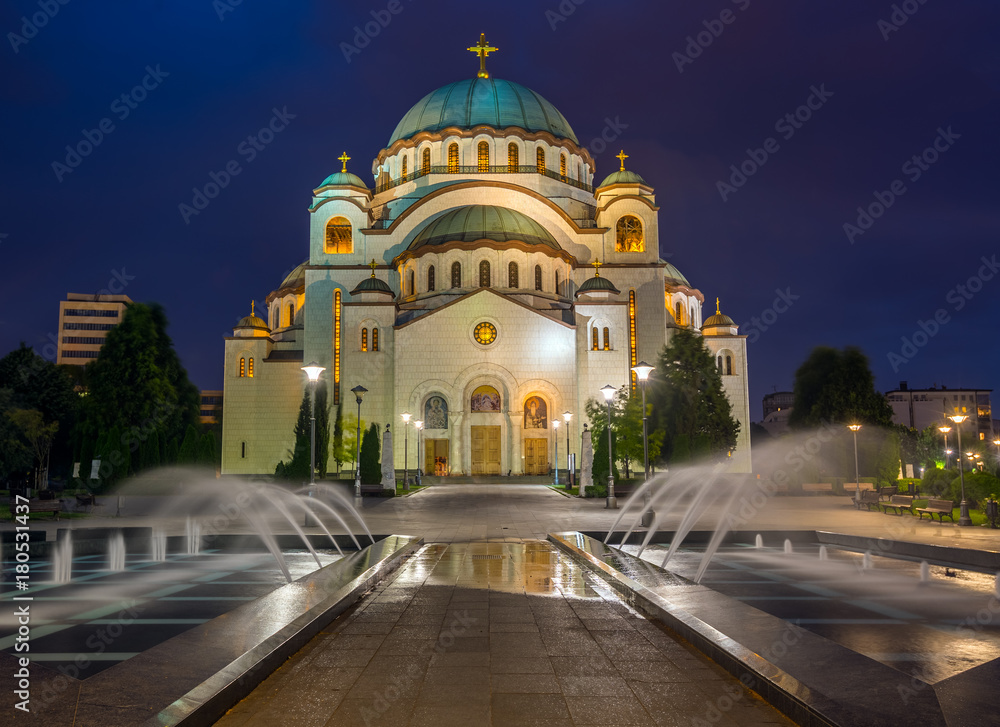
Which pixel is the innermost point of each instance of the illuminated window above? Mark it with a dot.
(540, 159)
(426, 162)
(291, 315)
(679, 315)
(250, 368)
(512, 275)
(594, 339)
(339, 239)
(513, 162)
(484, 274)
(243, 367)
(633, 353)
(411, 283)
(607, 339)
(628, 235)
(729, 365)
(364, 339)
(485, 333)
(562, 166)
(336, 346)
(538, 277)
(404, 166)
(456, 275)
(453, 157)
(374, 339)
(484, 156)
(691, 320)
(430, 278)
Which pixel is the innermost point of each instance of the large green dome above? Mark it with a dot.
(483, 222)
(483, 101)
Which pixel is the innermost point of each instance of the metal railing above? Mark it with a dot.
(476, 169)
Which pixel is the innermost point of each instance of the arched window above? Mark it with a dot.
(579, 171)
(411, 283)
(374, 339)
(692, 319)
(291, 315)
(628, 235)
(364, 339)
(483, 156)
(403, 173)
(512, 281)
(538, 277)
(430, 278)
(594, 339)
(456, 275)
(562, 166)
(453, 157)
(678, 315)
(607, 339)
(250, 368)
(243, 450)
(558, 281)
(719, 363)
(243, 367)
(729, 365)
(513, 162)
(339, 239)
(484, 274)
(540, 158)
(425, 164)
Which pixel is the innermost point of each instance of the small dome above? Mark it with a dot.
(373, 285)
(343, 179)
(719, 319)
(484, 222)
(296, 278)
(597, 284)
(623, 176)
(674, 276)
(482, 102)
(252, 321)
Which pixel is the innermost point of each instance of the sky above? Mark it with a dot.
(830, 171)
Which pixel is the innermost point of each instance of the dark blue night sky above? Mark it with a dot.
(882, 92)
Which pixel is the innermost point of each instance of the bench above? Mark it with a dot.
(817, 487)
(868, 498)
(52, 507)
(939, 508)
(852, 486)
(899, 503)
(885, 493)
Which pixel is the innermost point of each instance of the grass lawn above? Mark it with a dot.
(978, 516)
(400, 490)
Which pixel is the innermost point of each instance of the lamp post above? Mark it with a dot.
(359, 393)
(569, 467)
(963, 513)
(313, 370)
(611, 503)
(857, 476)
(406, 450)
(555, 435)
(944, 429)
(419, 425)
(642, 371)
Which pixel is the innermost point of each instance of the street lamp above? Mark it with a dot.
(611, 503)
(642, 370)
(313, 370)
(555, 435)
(963, 514)
(359, 393)
(419, 425)
(569, 467)
(944, 429)
(857, 476)
(406, 450)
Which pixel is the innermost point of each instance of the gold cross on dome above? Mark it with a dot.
(717, 311)
(622, 156)
(482, 49)
(597, 264)
(373, 265)
(251, 308)
(343, 158)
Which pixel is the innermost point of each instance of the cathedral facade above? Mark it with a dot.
(483, 284)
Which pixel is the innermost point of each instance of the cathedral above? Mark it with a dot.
(483, 284)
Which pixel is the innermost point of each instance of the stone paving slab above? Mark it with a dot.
(508, 633)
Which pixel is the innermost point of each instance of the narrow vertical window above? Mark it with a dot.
(607, 339)
(633, 353)
(243, 367)
(453, 157)
(483, 156)
(374, 339)
(558, 281)
(484, 274)
(425, 166)
(540, 159)
(729, 365)
(538, 277)
(243, 450)
(579, 171)
(456, 275)
(404, 167)
(512, 158)
(430, 278)
(250, 368)
(719, 363)
(594, 341)
(691, 321)
(512, 281)
(411, 283)
(562, 166)
(291, 314)
(364, 339)
(336, 345)
(678, 316)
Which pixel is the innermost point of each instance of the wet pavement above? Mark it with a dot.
(497, 633)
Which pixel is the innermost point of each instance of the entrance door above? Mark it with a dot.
(436, 457)
(485, 450)
(536, 456)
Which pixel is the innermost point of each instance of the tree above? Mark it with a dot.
(599, 437)
(338, 437)
(629, 433)
(887, 461)
(188, 453)
(207, 449)
(918, 448)
(688, 402)
(349, 447)
(296, 469)
(39, 436)
(371, 470)
(15, 457)
(322, 429)
(837, 386)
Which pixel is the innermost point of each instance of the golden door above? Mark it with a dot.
(485, 450)
(436, 457)
(536, 456)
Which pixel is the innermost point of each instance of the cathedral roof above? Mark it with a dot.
(484, 222)
(483, 101)
(673, 275)
(373, 285)
(343, 179)
(596, 284)
(623, 176)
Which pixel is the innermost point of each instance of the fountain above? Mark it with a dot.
(192, 531)
(158, 545)
(925, 572)
(823, 555)
(758, 542)
(866, 561)
(788, 547)
(62, 559)
(116, 552)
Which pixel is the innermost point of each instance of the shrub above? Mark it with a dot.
(978, 487)
(937, 482)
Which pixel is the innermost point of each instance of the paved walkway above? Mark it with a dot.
(499, 633)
